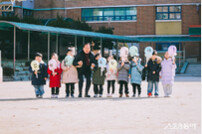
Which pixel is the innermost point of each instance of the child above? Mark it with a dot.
(136, 75)
(69, 76)
(167, 74)
(39, 76)
(55, 76)
(98, 77)
(123, 74)
(111, 77)
(153, 69)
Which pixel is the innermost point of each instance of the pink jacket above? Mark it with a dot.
(69, 75)
(167, 71)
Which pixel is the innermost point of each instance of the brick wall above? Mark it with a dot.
(74, 14)
(190, 16)
(120, 28)
(90, 3)
(145, 20)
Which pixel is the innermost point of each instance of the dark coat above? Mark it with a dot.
(98, 76)
(42, 74)
(81, 57)
(153, 66)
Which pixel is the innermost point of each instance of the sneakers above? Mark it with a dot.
(149, 94)
(139, 95)
(87, 96)
(80, 96)
(72, 96)
(108, 95)
(127, 95)
(95, 96)
(156, 96)
(37, 96)
(52, 96)
(134, 95)
(100, 96)
(120, 95)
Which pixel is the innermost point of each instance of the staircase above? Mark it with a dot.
(193, 70)
(21, 71)
(22, 74)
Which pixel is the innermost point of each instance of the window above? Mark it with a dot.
(27, 12)
(164, 46)
(168, 12)
(109, 14)
(8, 14)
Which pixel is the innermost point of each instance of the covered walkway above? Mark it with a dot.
(7, 25)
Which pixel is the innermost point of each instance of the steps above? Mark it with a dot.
(21, 71)
(193, 70)
(22, 74)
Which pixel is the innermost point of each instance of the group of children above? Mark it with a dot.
(127, 71)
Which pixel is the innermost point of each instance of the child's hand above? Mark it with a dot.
(35, 72)
(80, 63)
(67, 68)
(54, 73)
(129, 76)
(154, 72)
(45, 78)
(160, 77)
(122, 64)
(93, 65)
(135, 60)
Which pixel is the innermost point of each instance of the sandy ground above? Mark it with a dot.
(21, 113)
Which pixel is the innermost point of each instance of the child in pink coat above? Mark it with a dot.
(167, 74)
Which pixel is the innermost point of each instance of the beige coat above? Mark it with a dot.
(69, 74)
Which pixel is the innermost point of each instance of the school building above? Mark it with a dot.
(143, 18)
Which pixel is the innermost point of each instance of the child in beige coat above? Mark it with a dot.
(69, 75)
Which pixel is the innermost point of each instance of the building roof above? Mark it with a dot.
(56, 30)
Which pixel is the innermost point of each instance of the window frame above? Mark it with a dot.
(27, 13)
(8, 14)
(169, 12)
(105, 18)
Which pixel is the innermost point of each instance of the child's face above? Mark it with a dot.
(70, 53)
(98, 57)
(110, 58)
(38, 58)
(166, 55)
(55, 57)
(153, 57)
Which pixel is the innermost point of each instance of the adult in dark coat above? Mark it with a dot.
(84, 60)
(39, 77)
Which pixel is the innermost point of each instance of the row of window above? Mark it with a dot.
(109, 14)
(25, 13)
(119, 13)
(129, 13)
